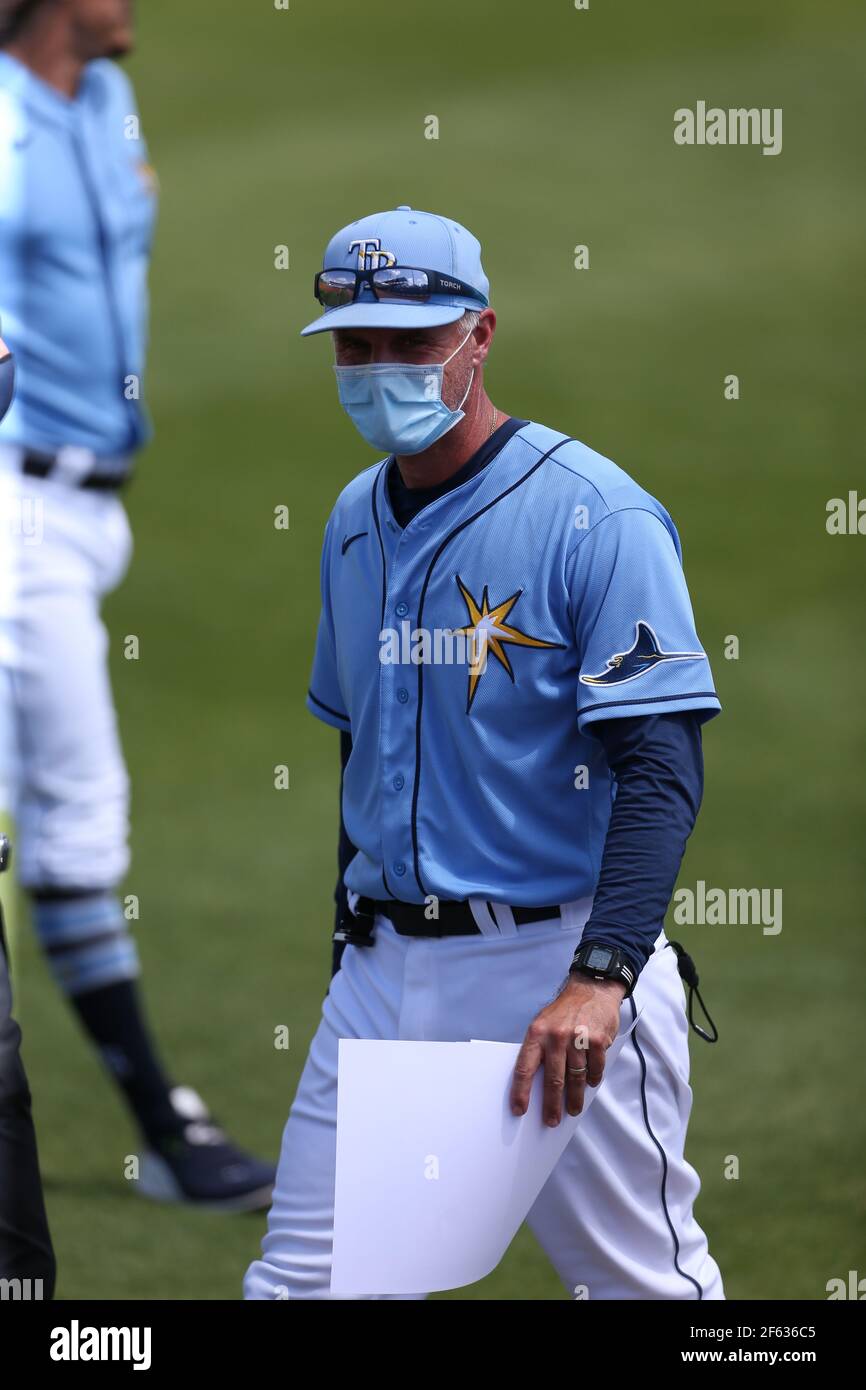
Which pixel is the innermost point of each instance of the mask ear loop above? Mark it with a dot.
(471, 374)
(468, 389)
(457, 349)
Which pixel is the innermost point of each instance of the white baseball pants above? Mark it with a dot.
(62, 773)
(615, 1216)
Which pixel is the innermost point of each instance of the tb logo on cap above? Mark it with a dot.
(370, 253)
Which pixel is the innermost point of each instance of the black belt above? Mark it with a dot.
(37, 465)
(410, 919)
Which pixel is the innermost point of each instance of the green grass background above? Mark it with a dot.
(556, 128)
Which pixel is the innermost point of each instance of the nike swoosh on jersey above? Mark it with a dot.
(643, 656)
(347, 540)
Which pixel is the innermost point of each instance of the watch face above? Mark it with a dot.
(599, 957)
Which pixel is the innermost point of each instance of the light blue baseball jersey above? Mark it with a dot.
(77, 208)
(482, 778)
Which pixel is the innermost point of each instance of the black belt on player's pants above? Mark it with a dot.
(454, 918)
(37, 465)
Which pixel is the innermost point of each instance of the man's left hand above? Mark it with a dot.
(572, 1033)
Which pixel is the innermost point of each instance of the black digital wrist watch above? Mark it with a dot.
(603, 963)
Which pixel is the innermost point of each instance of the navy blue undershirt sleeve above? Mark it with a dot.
(657, 761)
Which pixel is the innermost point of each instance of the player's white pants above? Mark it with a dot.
(62, 549)
(615, 1216)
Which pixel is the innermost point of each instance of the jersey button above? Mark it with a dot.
(402, 694)
(402, 609)
(399, 868)
(399, 782)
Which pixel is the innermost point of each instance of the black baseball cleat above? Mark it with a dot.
(201, 1167)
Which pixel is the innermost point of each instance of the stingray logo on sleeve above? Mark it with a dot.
(643, 656)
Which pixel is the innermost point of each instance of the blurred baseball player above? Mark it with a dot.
(77, 206)
(507, 647)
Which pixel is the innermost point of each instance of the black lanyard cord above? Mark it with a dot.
(689, 976)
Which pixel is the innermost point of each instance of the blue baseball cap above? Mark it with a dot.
(407, 237)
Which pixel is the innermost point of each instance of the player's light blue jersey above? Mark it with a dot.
(473, 769)
(77, 207)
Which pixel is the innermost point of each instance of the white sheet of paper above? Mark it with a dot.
(434, 1173)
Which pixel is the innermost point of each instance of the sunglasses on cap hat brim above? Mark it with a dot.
(336, 287)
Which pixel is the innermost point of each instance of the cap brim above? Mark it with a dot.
(372, 314)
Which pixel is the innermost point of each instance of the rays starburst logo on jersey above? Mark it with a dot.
(488, 630)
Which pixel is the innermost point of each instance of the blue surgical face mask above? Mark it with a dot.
(398, 406)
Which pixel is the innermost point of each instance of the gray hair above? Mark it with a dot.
(469, 320)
